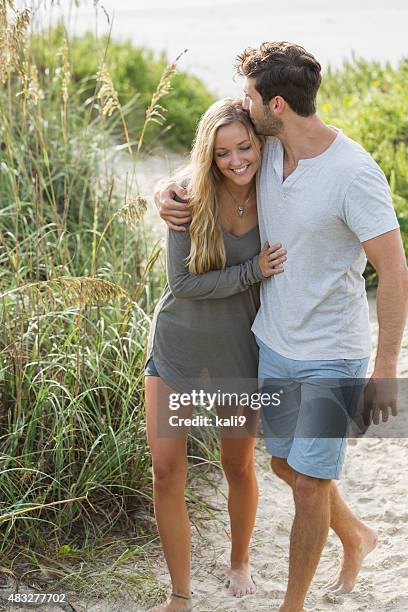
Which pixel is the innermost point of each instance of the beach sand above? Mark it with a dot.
(374, 484)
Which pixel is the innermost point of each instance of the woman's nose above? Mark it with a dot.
(235, 159)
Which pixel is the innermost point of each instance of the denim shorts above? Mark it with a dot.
(309, 409)
(150, 369)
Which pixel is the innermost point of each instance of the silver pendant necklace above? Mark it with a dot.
(241, 209)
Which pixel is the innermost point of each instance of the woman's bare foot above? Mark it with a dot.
(174, 604)
(354, 556)
(240, 582)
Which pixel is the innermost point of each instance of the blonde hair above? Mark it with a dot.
(207, 244)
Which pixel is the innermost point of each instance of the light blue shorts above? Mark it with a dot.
(310, 425)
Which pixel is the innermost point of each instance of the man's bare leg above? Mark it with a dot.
(308, 537)
(357, 539)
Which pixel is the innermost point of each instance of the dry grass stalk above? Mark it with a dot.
(11, 515)
(12, 38)
(74, 291)
(34, 92)
(107, 93)
(155, 111)
(133, 211)
(66, 73)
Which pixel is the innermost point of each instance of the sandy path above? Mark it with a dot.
(374, 483)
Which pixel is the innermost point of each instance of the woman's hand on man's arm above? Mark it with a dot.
(174, 213)
(271, 259)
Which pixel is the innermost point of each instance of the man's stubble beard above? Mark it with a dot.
(268, 125)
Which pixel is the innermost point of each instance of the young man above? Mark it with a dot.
(327, 201)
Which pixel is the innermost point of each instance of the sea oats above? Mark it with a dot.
(34, 92)
(66, 74)
(12, 38)
(107, 93)
(156, 112)
(87, 290)
(73, 290)
(133, 211)
(4, 42)
(18, 33)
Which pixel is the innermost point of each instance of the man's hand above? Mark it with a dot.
(386, 253)
(380, 397)
(174, 213)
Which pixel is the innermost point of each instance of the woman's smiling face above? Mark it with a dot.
(234, 154)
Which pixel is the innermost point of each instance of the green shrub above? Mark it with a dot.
(135, 73)
(369, 101)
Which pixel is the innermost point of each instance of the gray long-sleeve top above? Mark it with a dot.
(201, 328)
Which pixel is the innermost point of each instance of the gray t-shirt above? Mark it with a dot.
(322, 212)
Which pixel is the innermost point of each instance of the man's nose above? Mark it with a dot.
(245, 102)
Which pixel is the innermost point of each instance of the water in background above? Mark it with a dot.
(215, 31)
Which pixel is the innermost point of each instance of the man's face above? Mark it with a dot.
(265, 123)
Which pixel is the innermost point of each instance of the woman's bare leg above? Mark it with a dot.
(237, 456)
(169, 457)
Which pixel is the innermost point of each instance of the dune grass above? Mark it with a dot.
(78, 283)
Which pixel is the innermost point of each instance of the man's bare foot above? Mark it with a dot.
(284, 608)
(174, 604)
(352, 560)
(240, 582)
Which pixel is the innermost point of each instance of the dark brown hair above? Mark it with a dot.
(283, 69)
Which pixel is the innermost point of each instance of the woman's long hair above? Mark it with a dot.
(207, 243)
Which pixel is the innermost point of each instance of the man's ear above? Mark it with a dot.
(277, 105)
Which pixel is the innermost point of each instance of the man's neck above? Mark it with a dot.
(306, 137)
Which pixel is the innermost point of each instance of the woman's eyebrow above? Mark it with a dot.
(239, 143)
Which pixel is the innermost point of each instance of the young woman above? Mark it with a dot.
(201, 331)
